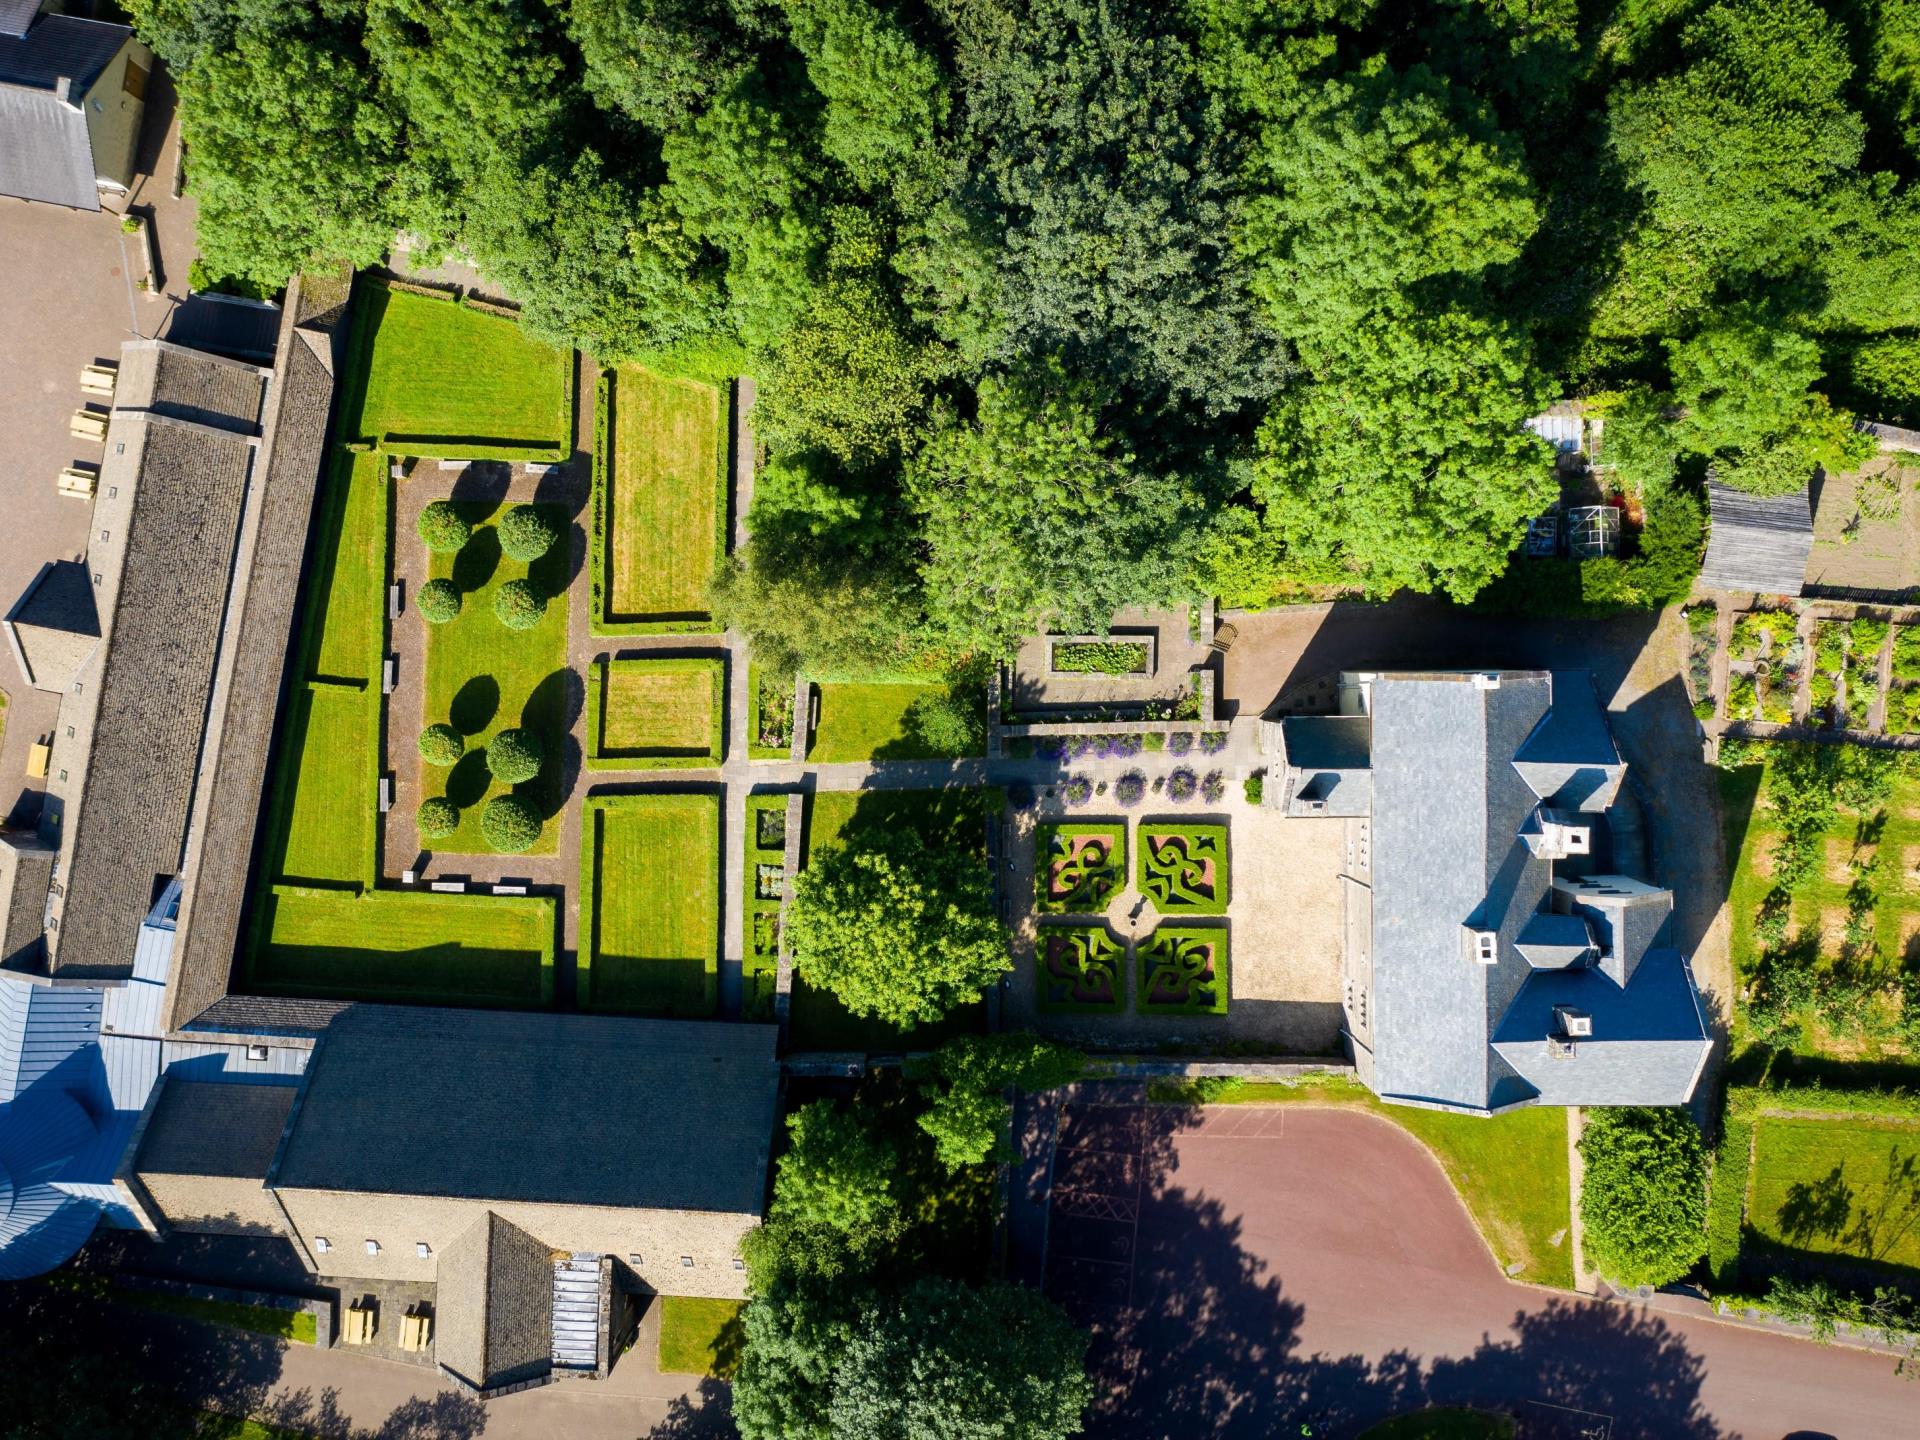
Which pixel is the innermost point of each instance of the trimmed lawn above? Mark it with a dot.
(483, 678)
(657, 713)
(332, 740)
(1510, 1170)
(945, 817)
(1890, 837)
(666, 495)
(870, 722)
(393, 945)
(700, 1337)
(296, 1326)
(1847, 1187)
(650, 893)
(447, 379)
(345, 624)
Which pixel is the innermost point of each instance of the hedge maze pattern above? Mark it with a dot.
(1078, 867)
(1080, 968)
(1183, 972)
(1183, 868)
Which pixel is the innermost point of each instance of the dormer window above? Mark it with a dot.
(1573, 1024)
(1483, 946)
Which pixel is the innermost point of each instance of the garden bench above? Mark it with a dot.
(390, 674)
(75, 484)
(88, 425)
(395, 596)
(98, 379)
(386, 793)
(449, 887)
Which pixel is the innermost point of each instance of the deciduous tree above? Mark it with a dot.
(1643, 1201)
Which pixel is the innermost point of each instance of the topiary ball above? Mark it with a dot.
(439, 601)
(436, 818)
(515, 755)
(510, 824)
(528, 531)
(518, 605)
(442, 528)
(441, 745)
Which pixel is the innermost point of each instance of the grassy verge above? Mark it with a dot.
(765, 846)
(332, 737)
(1510, 1170)
(1444, 1425)
(416, 946)
(872, 722)
(700, 1337)
(945, 817)
(295, 1326)
(660, 509)
(446, 379)
(650, 902)
(483, 678)
(646, 714)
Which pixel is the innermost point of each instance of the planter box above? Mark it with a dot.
(1148, 645)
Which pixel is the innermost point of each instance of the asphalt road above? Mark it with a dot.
(1252, 1269)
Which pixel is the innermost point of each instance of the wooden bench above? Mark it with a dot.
(98, 379)
(88, 425)
(75, 484)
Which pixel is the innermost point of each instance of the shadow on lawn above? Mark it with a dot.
(474, 705)
(479, 559)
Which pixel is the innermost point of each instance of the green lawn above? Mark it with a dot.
(329, 819)
(447, 379)
(417, 946)
(1511, 1169)
(700, 1337)
(870, 722)
(483, 678)
(1443, 1425)
(344, 628)
(649, 713)
(296, 1326)
(665, 494)
(1838, 1186)
(945, 817)
(1889, 838)
(650, 899)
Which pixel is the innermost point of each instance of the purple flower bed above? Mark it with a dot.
(1130, 787)
(1182, 784)
(1078, 790)
(1213, 787)
(1180, 742)
(1212, 742)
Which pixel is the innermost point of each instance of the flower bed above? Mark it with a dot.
(1183, 972)
(1100, 657)
(1077, 868)
(1183, 868)
(1080, 969)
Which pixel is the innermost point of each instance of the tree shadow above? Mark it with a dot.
(468, 781)
(478, 561)
(703, 1414)
(474, 705)
(1878, 1231)
(1816, 1210)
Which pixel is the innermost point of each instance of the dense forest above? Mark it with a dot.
(1062, 304)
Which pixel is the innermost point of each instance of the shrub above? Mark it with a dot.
(528, 531)
(1906, 653)
(1256, 787)
(1703, 708)
(518, 605)
(1078, 790)
(1180, 742)
(947, 722)
(1213, 787)
(443, 529)
(515, 755)
(1644, 1198)
(436, 818)
(1100, 657)
(1129, 788)
(1212, 742)
(439, 601)
(441, 745)
(1182, 784)
(1701, 616)
(510, 824)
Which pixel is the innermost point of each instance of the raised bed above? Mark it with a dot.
(1111, 655)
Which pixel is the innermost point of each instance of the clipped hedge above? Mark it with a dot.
(1174, 884)
(1096, 881)
(510, 824)
(442, 528)
(518, 606)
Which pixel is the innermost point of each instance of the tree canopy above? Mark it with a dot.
(1643, 1201)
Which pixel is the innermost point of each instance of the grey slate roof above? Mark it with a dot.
(1648, 1039)
(1552, 942)
(26, 869)
(55, 625)
(162, 378)
(1757, 543)
(569, 1109)
(17, 15)
(494, 1303)
(1570, 760)
(45, 152)
(151, 689)
(204, 1127)
(1327, 742)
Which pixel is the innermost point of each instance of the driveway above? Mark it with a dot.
(76, 305)
(1249, 1269)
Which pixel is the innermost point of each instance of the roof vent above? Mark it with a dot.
(1485, 681)
(1574, 1024)
(1483, 945)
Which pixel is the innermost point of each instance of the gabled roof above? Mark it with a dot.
(1757, 543)
(494, 1302)
(45, 151)
(210, 1127)
(54, 626)
(17, 15)
(1552, 942)
(566, 1109)
(1570, 759)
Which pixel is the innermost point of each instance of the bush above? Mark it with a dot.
(527, 532)
(518, 606)
(1182, 784)
(1078, 790)
(436, 818)
(439, 601)
(510, 824)
(1130, 787)
(1256, 788)
(441, 745)
(515, 755)
(1212, 742)
(1644, 1198)
(1180, 742)
(1100, 657)
(443, 529)
(948, 722)
(1213, 788)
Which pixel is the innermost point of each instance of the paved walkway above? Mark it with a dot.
(1252, 1268)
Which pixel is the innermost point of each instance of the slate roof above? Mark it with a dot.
(151, 687)
(567, 1109)
(1450, 800)
(45, 152)
(55, 625)
(204, 1127)
(1327, 742)
(26, 869)
(17, 15)
(1757, 543)
(494, 1303)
